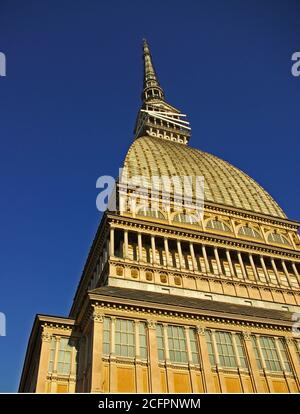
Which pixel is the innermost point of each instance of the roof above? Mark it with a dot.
(193, 304)
(224, 183)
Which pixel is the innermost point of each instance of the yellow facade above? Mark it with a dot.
(171, 304)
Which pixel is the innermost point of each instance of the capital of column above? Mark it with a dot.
(246, 335)
(46, 337)
(200, 330)
(151, 324)
(97, 316)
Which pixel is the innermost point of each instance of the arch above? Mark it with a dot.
(216, 224)
(185, 218)
(248, 231)
(278, 238)
(149, 212)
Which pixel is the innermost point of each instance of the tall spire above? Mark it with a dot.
(157, 118)
(152, 88)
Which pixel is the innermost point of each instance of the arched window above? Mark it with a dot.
(148, 212)
(217, 225)
(278, 238)
(249, 232)
(185, 218)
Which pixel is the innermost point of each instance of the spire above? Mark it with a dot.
(157, 118)
(152, 89)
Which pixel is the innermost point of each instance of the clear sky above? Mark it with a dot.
(67, 110)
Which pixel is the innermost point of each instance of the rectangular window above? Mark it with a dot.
(211, 354)
(160, 342)
(225, 349)
(177, 344)
(106, 336)
(143, 340)
(256, 352)
(270, 353)
(194, 346)
(297, 346)
(64, 356)
(284, 355)
(229, 348)
(52, 354)
(241, 350)
(125, 343)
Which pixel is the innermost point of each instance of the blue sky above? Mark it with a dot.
(67, 111)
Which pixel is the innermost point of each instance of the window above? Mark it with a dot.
(229, 348)
(176, 338)
(249, 232)
(124, 338)
(143, 340)
(278, 238)
(241, 350)
(148, 212)
(225, 349)
(211, 354)
(127, 336)
(52, 354)
(284, 355)
(106, 336)
(297, 346)
(256, 351)
(270, 353)
(184, 218)
(217, 225)
(194, 346)
(64, 357)
(160, 342)
(177, 344)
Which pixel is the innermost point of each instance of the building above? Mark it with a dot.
(169, 302)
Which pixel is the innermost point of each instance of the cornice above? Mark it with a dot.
(148, 309)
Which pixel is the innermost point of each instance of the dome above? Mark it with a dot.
(224, 183)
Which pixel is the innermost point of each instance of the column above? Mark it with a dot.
(286, 272)
(166, 245)
(205, 259)
(112, 242)
(253, 268)
(276, 272)
(140, 247)
(153, 249)
(296, 273)
(153, 358)
(208, 379)
(263, 265)
(194, 263)
(180, 254)
(254, 370)
(125, 244)
(230, 263)
(97, 343)
(240, 259)
(43, 363)
(218, 261)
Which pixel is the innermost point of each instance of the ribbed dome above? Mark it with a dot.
(224, 183)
